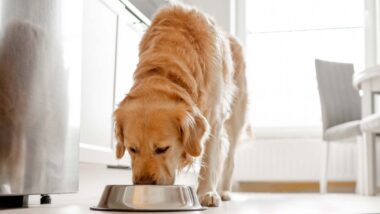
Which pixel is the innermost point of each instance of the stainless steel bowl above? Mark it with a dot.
(148, 198)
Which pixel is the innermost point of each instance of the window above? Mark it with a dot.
(284, 38)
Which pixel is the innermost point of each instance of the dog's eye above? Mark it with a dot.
(133, 150)
(161, 150)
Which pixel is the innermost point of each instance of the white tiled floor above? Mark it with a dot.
(243, 203)
(94, 177)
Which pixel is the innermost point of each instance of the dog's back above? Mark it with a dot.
(193, 52)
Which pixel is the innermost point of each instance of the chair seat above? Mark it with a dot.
(342, 131)
(371, 123)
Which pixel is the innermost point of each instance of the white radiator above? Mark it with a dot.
(294, 160)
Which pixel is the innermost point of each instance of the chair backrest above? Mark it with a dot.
(340, 102)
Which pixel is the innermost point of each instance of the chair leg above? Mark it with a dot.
(324, 167)
(369, 164)
(360, 173)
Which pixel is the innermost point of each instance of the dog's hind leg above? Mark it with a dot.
(237, 120)
(234, 128)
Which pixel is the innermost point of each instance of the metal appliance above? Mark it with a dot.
(40, 70)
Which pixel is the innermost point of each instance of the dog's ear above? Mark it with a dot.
(194, 131)
(120, 147)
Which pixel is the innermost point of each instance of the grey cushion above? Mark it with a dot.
(340, 102)
(342, 131)
(371, 123)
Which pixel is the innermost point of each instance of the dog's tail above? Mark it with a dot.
(249, 131)
(173, 2)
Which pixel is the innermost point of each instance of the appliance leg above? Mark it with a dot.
(16, 201)
(45, 199)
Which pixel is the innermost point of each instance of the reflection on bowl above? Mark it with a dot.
(148, 198)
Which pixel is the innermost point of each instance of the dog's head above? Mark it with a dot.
(159, 137)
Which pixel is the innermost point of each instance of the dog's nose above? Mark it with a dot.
(145, 180)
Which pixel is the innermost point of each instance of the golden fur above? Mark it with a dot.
(189, 92)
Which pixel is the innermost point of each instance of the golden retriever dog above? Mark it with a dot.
(189, 99)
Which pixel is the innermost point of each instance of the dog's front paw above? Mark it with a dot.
(225, 195)
(210, 199)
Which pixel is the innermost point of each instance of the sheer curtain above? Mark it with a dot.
(284, 37)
